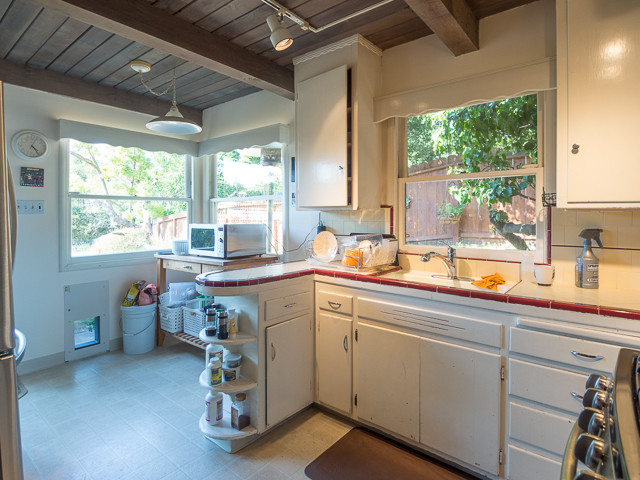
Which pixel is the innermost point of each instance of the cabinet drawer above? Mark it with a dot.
(182, 266)
(572, 351)
(335, 302)
(545, 430)
(526, 465)
(284, 308)
(551, 386)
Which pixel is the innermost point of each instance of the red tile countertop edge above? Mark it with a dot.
(494, 297)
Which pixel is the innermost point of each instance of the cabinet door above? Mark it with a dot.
(460, 393)
(289, 368)
(388, 366)
(321, 140)
(333, 361)
(598, 78)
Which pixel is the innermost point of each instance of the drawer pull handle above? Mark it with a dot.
(187, 267)
(273, 352)
(334, 305)
(595, 358)
(577, 397)
(345, 344)
(290, 305)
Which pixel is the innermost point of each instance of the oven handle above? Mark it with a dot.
(569, 461)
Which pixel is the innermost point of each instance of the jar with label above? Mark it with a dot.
(213, 403)
(240, 412)
(214, 371)
(233, 322)
(223, 325)
(213, 351)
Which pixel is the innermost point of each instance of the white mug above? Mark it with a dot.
(544, 274)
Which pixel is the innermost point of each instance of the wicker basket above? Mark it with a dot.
(171, 319)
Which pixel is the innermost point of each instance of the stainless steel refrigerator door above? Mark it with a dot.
(10, 445)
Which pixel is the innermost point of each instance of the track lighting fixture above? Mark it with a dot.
(280, 36)
(173, 122)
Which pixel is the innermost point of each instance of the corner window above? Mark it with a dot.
(122, 203)
(473, 179)
(249, 189)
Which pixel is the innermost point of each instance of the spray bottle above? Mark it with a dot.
(587, 263)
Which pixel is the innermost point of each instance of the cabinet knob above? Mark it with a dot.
(340, 170)
(575, 148)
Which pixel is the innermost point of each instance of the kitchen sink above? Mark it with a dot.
(444, 281)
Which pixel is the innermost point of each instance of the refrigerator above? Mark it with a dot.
(10, 445)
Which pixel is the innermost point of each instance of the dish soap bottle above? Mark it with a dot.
(587, 264)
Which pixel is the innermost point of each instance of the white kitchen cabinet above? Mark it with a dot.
(289, 351)
(460, 398)
(598, 100)
(388, 379)
(321, 129)
(333, 360)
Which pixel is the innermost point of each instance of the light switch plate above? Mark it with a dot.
(30, 207)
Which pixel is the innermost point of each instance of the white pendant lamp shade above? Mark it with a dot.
(280, 36)
(174, 123)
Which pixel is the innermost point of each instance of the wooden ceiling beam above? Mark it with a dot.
(154, 27)
(53, 82)
(452, 21)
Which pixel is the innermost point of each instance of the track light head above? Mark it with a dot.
(280, 36)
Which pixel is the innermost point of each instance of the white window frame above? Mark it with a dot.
(546, 150)
(213, 201)
(70, 263)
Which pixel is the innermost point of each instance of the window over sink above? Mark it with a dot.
(472, 177)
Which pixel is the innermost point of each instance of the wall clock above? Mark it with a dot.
(30, 145)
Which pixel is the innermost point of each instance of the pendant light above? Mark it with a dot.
(172, 122)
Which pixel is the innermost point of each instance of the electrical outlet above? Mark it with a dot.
(30, 207)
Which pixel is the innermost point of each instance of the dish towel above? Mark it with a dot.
(490, 281)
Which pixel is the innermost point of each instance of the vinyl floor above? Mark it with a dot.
(135, 417)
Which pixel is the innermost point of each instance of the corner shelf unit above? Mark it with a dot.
(223, 431)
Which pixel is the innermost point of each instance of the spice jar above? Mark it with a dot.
(210, 328)
(240, 413)
(223, 324)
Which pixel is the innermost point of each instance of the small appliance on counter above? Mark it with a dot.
(605, 441)
(226, 240)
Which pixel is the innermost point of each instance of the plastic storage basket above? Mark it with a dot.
(171, 319)
(193, 316)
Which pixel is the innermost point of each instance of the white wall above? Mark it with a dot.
(37, 282)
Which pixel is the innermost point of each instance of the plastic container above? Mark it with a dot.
(213, 351)
(138, 328)
(229, 374)
(233, 360)
(180, 247)
(171, 319)
(233, 323)
(240, 412)
(213, 404)
(214, 371)
(181, 292)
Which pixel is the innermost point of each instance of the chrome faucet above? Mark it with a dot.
(449, 261)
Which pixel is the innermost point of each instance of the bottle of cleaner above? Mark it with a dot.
(587, 264)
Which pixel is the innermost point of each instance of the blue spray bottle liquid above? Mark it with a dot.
(587, 264)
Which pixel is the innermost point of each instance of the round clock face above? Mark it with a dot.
(30, 145)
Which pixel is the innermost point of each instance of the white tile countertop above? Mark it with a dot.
(622, 303)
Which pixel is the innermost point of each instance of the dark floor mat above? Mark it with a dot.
(364, 455)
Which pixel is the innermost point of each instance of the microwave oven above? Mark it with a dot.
(226, 240)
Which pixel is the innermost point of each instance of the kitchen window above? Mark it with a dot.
(122, 203)
(249, 189)
(473, 178)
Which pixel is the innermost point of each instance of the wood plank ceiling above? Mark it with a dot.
(218, 50)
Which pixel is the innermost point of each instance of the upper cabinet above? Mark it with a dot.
(338, 145)
(598, 103)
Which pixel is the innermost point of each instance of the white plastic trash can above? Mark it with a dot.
(138, 328)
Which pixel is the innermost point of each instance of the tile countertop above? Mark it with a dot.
(615, 303)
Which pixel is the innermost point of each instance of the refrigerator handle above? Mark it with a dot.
(13, 215)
